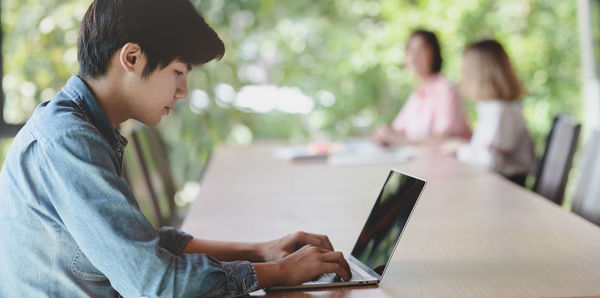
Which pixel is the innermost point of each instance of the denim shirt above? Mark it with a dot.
(70, 226)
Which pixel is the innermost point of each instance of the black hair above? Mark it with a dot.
(431, 41)
(165, 30)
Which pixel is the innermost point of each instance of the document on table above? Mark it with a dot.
(346, 153)
(357, 153)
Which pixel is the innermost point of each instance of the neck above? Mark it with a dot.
(105, 91)
(425, 78)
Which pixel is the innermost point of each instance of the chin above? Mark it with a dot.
(153, 123)
(150, 122)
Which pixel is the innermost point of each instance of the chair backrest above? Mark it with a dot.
(147, 171)
(586, 201)
(553, 171)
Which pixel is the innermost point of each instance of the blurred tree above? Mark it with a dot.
(341, 60)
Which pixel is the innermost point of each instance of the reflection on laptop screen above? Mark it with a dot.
(388, 218)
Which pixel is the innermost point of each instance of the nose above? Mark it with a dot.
(182, 90)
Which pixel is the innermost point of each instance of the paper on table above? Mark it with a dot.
(357, 153)
(350, 152)
(297, 153)
(317, 150)
(369, 159)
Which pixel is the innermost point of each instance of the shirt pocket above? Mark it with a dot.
(82, 268)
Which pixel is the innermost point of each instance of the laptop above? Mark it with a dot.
(380, 235)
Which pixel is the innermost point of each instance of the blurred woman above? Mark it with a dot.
(434, 111)
(501, 141)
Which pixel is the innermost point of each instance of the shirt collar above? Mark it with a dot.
(79, 92)
(427, 86)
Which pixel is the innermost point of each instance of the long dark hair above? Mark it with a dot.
(432, 42)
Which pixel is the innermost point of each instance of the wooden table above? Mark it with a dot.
(471, 234)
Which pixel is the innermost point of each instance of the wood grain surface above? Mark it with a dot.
(472, 233)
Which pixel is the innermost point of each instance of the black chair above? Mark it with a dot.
(586, 201)
(554, 167)
(146, 169)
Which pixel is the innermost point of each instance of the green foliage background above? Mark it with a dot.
(352, 49)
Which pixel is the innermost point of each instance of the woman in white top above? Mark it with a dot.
(500, 141)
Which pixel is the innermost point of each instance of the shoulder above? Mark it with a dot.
(502, 109)
(502, 114)
(441, 83)
(441, 88)
(60, 126)
(58, 118)
(498, 106)
(490, 112)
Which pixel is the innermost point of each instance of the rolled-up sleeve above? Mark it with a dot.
(241, 277)
(97, 208)
(173, 240)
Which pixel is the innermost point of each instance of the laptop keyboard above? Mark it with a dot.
(332, 277)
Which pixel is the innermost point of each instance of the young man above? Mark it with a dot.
(69, 223)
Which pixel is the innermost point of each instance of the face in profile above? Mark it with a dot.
(156, 95)
(419, 56)
(466, 79)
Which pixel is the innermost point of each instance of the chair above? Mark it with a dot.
(554, 167)
(146, 169)
(586, 201)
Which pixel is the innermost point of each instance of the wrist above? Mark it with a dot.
(269, 274)
(257, 252)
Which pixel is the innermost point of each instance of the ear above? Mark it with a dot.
(130, 57)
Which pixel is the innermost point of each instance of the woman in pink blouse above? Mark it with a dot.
(434, 111)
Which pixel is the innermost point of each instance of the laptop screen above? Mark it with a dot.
(387, 220)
